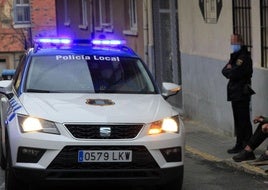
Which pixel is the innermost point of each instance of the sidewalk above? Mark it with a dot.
(203, 142)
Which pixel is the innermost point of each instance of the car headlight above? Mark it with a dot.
(167, 125)
(31, 124)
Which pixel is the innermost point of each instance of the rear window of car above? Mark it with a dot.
(88, 74)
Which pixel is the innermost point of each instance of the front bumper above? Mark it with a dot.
(66, 170)
(97, 177)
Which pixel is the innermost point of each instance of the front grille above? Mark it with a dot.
(93, 131)
(68, 159)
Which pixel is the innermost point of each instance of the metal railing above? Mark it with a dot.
(242, 20)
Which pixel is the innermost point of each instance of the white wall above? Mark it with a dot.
(203, 39)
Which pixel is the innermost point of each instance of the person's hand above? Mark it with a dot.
(265, 128)
(258, 119)
(229, 66)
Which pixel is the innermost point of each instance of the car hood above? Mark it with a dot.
(97, 108)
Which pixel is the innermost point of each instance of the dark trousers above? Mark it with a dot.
(242, 123)
(257, 138)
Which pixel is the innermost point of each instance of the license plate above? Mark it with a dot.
(104, 156)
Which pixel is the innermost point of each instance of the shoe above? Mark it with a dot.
(235, 149)
(243, 156)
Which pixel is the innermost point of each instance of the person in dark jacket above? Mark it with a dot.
(260, 134)
(239, 72)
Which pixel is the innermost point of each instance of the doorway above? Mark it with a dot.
(166, 41)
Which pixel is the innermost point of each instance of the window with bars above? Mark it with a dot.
(242, 20)
(264, 33)
(21, 12)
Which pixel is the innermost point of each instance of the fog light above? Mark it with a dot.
(172, 154)
(29, 155)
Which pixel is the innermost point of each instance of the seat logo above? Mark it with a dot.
(99, 102)
(105, 131)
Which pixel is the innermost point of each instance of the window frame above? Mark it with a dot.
(24, 8)
(133, 15)
(67, 19)
(132, 18)
(103, 22)
(83, 15)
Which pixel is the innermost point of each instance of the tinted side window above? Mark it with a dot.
(18, 74)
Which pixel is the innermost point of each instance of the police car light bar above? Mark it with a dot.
(59, 42)
(54, 40)
(108, 42)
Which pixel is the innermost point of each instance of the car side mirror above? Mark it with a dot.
(170, 89)
(6, 88)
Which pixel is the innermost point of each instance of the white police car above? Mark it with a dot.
(88, 113)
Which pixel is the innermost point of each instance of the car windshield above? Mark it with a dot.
(88, 74)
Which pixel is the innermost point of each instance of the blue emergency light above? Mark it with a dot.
(108, 42)
(54, 40)
(59, 42)
(70, 41)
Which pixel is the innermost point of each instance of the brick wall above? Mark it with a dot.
(11, 42)
(10, 38)
(43, 15)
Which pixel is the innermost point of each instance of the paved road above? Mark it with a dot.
(202, 174)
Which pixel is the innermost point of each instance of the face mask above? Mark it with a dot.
(235, 47)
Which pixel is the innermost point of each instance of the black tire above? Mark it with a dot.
(11, 182)
(3, 162)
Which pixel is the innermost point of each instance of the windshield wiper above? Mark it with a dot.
(38, 90)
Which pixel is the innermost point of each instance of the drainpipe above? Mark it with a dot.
(148, 35)
(145, 30)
